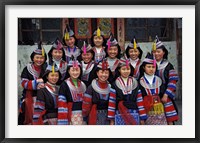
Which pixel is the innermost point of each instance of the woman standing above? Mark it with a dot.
(152, 91)
(30, 78)
(46, 110)
(87, 64)
(98, 44)
(134, 53)
(130, 108)
(169, 78)
(112, 56)
(71, 96)
(70, 42)
(57, 55)
(99, 99)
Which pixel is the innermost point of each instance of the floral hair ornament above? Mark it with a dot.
(104, 65)
(53, 68)
(84, 48)
(134, 44)
(67, 30)
(67, 36)
(75, 64)
(127, 61)
(98, 32)
(154, 61)
(154, 46)
(59, 46)
(108, 43)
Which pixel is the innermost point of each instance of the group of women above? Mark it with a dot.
(98, 85)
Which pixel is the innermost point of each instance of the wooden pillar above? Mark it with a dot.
(121, 33)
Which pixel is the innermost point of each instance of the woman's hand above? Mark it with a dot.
(142, 122)
(164, 98)
(40, 85)
(112, 122)
(39, 80)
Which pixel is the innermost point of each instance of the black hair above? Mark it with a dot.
(50, 55)
(98, 69)
(119, 51)
(92, 41)
(44, 77)
(33, 54)
(165, 56)
(80, 57)
(127, 51)
(67, 72)
(142, 68)
(75, 43)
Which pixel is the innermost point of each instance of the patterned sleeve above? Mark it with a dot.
(171, 86)
(39, 108)
(87, 102)
(140, 104)
(112, 104)
(26, 82)
(62, 105)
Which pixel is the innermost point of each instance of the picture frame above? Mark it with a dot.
(3, 75)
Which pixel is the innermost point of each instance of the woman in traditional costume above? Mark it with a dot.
(130, 109)
(70, 43)
(46, 109)
(152, 91)
(57, 55)
(31, 77)
(169, 78)
(87, 64)
(71, 96)
(134, 53)
(98, 44)
(99, 99)
(112, 56)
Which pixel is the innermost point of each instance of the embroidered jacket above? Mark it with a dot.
(130, 94)
(69, 52)
(99, 56)
(46, 104)
(68, 94)
(105, 99)
(88, 73)
(169, 77)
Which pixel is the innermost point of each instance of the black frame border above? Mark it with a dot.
(196, 3)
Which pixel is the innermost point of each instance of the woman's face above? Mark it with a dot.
(149, 69)
(87, 57)
(112, 52)
(74, 72)
(98, 41)
(38, 60)
(103, 75)
(134, 53)
(159, 53)
(57, 54)
(125, 71)
(53, 77)
(70, 42)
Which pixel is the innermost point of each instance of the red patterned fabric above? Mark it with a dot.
(148, 102)
(93, 115)
(28, 108)
(40, 120)
(102, 85)
(70, 104)
(87, 102)
(124, 112)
